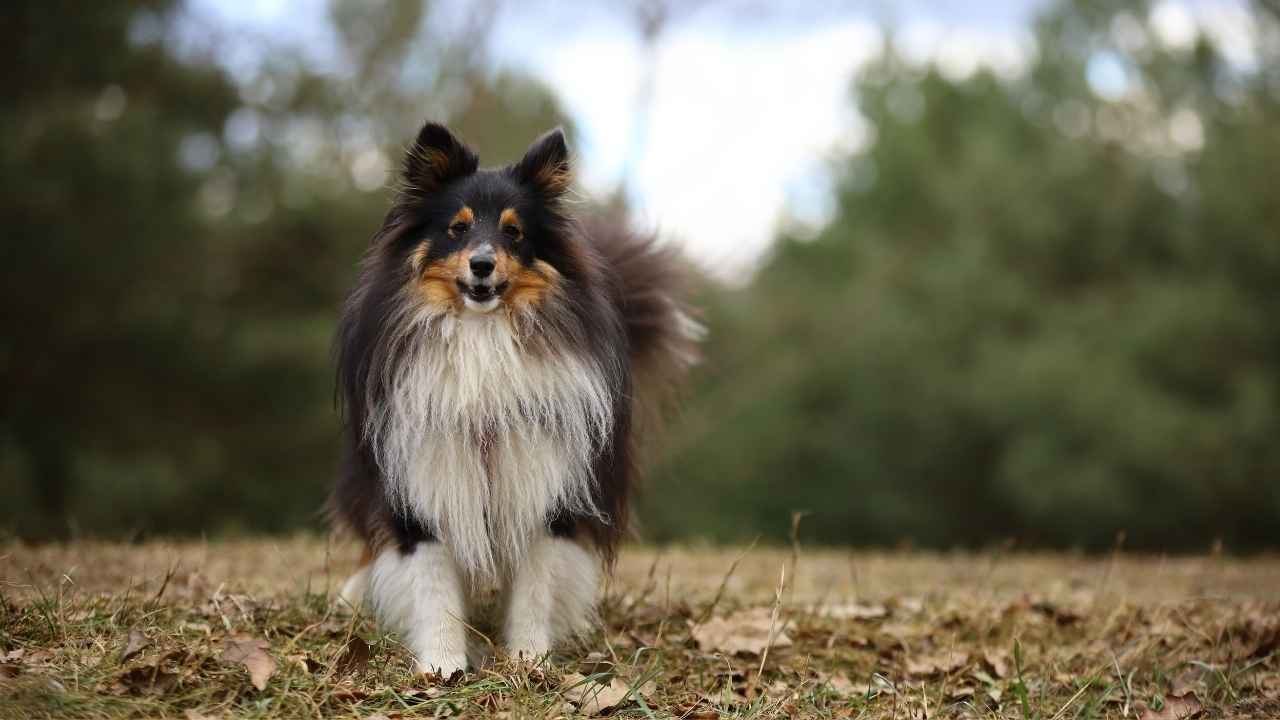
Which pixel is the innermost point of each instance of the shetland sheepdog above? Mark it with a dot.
(494, 361)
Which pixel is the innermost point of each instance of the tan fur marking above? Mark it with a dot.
(465, 215)
(435, 164)
(438, 281)
(529, 286)
(436, 159)
(510, 217)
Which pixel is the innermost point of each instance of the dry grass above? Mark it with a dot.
(101, 630)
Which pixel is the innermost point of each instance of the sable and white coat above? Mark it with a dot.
(491, 359)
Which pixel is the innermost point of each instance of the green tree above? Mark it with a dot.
(1037, 313)
(177, 245)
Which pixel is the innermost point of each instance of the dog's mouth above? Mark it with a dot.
(482, 292)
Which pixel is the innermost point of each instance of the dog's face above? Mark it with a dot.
(484, 239)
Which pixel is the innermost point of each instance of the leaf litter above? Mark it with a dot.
(922, 637)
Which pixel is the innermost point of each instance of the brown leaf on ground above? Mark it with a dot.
(355, 656)
(746, 631)
(1270, 687)
(936, 664)
(854, 611)
(998, 661)
(303, 662)
(1268, 643)
(593, 698)
(1175, 708)
(137, 642)
(8, 670)
(842, 686)
(251, 653)
(908, 604)
(595, 663)
(904, 632)
(1058, 612)
(30, 658)
(156, 678)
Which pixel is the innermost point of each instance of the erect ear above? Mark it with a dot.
(545, 166)
(435, 158)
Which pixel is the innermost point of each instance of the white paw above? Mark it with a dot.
(444, 665)
(528, 646)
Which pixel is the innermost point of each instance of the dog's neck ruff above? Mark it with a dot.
(483, 439)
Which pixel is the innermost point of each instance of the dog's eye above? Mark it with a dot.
(511, 231)
(458, 228)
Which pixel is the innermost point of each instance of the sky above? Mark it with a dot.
(750, 100)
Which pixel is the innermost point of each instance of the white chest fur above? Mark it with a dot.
(483, 441)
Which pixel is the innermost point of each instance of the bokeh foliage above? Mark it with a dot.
(177, 244)
(1036, 313)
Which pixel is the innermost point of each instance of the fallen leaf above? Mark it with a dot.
(304, 662)
(148, 679)
(350, 695)
(842, 686)
(137, 641)
(1187, 681)
(877, 686)
(355, 656)
(902, 632)
(1061, 614)
(595, 663)
(1175, 708)
(33, 658)
(912, 605)
(251, 653)
(998, 661)
(593, 698)
(854, 611)
(1271, 687)
(1267, 644)
(747, 631)
(940, 663)
(8, 670)
(983, 677)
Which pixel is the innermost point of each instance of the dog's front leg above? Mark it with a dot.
(420, 594)
(551, 597)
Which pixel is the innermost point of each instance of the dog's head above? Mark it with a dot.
(475, 240)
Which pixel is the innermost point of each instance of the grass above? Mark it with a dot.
(173, 630)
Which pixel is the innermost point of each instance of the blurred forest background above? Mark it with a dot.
(1037, 312)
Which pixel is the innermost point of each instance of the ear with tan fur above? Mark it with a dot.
(435, 158)
(545, 166)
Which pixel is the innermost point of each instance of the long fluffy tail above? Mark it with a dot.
(662, 329)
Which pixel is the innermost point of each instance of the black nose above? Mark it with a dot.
(482, 265)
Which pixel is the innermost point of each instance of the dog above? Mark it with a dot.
(496, 359)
